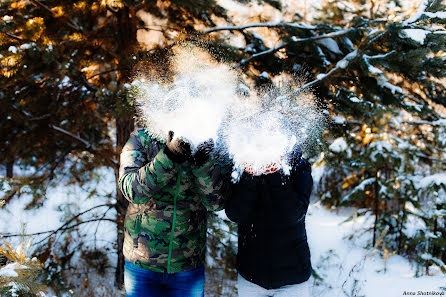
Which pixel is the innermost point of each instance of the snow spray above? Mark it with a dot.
(203, 101)
(194, 104)
(261, 134)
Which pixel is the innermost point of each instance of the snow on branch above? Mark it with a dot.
(294, 39)
(418, 14)
(328, 35)
(380, 56)
(422, 11)
(342, 64)
(437, 123)
(383, 82)
(257, 25)
(269, 51)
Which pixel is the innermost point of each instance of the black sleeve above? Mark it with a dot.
(240, 205)
(303, 185)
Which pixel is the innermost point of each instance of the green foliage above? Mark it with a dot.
(23, 274)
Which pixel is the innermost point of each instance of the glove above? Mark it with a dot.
(295, 156)
(204, 150)
(178, 149)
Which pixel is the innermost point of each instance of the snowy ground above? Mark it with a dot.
(350, 270)
(346, 268)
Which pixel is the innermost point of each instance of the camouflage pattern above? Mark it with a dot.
(165, 224)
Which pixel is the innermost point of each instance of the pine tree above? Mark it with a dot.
(382, 81)
(65, 68)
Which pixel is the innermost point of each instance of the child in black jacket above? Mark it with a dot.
(273, 255)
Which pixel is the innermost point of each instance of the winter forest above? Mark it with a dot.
(367, 84)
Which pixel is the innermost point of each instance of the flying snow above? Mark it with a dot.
(204, 101)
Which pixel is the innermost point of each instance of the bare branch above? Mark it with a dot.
(104, 72)
(86, 143)
(15, 37)
(150, 29)
(64, 226)
(70, 23)
(421, 122)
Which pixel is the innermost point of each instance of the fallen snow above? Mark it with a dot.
(264, 75)
(321, 76)
(419, 35)
(339, 120)
(375, 70)
(355, 100)
(340, 261)
(339, 145)
(12, 49)
(438, 14)
(26, 46)
(331, 45)
(9, 270)
(418, 14)
(435, 179)
(346, 60)
(379, 147)
(383, 82)
(62, 202)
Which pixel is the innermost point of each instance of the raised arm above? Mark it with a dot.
(303, 184)
(139, 177)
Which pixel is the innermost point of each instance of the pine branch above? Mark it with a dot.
(257, 25)
(70, 23)
(294, 40)
(437, 123)
(342, 64)
(381, 56)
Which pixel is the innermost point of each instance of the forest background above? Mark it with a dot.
(377, 68)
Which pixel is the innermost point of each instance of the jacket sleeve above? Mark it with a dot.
(212, 184)
(303, 185)
(140, 178)
(240, 205)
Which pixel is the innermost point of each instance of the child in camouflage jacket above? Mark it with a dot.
(170, 193)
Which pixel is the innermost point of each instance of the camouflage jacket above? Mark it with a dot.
(165, 224)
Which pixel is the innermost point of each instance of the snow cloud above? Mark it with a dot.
(204, 100)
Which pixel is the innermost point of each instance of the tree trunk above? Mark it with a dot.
(375, 225)
(126, 42)
(124, 126)
(9, 169)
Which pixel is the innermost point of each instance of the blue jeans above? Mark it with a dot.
(140, 282)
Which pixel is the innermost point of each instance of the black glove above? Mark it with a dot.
(204, 150)
(178, 149)
(295, 156)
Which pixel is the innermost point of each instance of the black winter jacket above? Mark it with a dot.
(270, 211)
